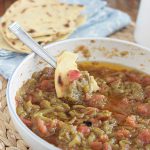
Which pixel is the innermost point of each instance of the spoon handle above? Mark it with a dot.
(33, 45)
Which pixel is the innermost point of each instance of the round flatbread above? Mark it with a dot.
(41, 20)
(18, 46)
(4, 44)
(46, 21)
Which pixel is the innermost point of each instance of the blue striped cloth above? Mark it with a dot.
(101, 22)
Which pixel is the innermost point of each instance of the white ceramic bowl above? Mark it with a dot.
(102, 49)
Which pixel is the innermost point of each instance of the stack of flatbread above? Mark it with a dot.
(45, 20)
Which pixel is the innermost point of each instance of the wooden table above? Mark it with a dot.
(128, 6)
(4, 4)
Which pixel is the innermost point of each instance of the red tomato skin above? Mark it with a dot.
(73, 75)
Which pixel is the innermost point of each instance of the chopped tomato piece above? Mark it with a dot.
(84, 130)
(144, 109)
(133, 77)
(146, 81)
(97, 100)
(26, 121)
(120, 106)
(98, 97)
(144, 136)
(41, 126)
(120, 117)
(107, 146)
(125, 101)
(96, 146)
(46, 85)
(96, 122)
(122, 133)
(87, 97)
(30, 97)
(73, 75)
(131, 121)
(53, 140)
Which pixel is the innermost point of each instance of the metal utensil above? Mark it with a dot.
(33, 45)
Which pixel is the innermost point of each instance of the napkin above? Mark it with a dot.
(101, 22)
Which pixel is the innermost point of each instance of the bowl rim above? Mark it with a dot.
(8, 93)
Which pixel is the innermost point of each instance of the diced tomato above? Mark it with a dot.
(146, 81)
(53, 140)
(144, 109)
(32, 98)
(97, 100)
(125, 101)
(46, 85)
(120, 106)
(107, 146)
(94, 97)
(87, 97)
(84, 130)
(120, 117)
(98, 97)
(41, 126)
(144, 136)
(122, 133)
(131, 121)
(103, 117)
(26, 121)
(96, 146)
(96, 122)
(133, 77)
(73, 75)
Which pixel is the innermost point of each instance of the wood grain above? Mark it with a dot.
(2, 7)
(4, 4)
(128, 6)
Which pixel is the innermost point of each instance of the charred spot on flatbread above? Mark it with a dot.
(32, 1)
(67, 25)
(31, 31)
(13, 42)
(40, 42)
(3, 24)
(48, 14)
(23, 11)
(45, 25)
(60, 82)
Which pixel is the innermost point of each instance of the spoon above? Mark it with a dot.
(32, 44)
